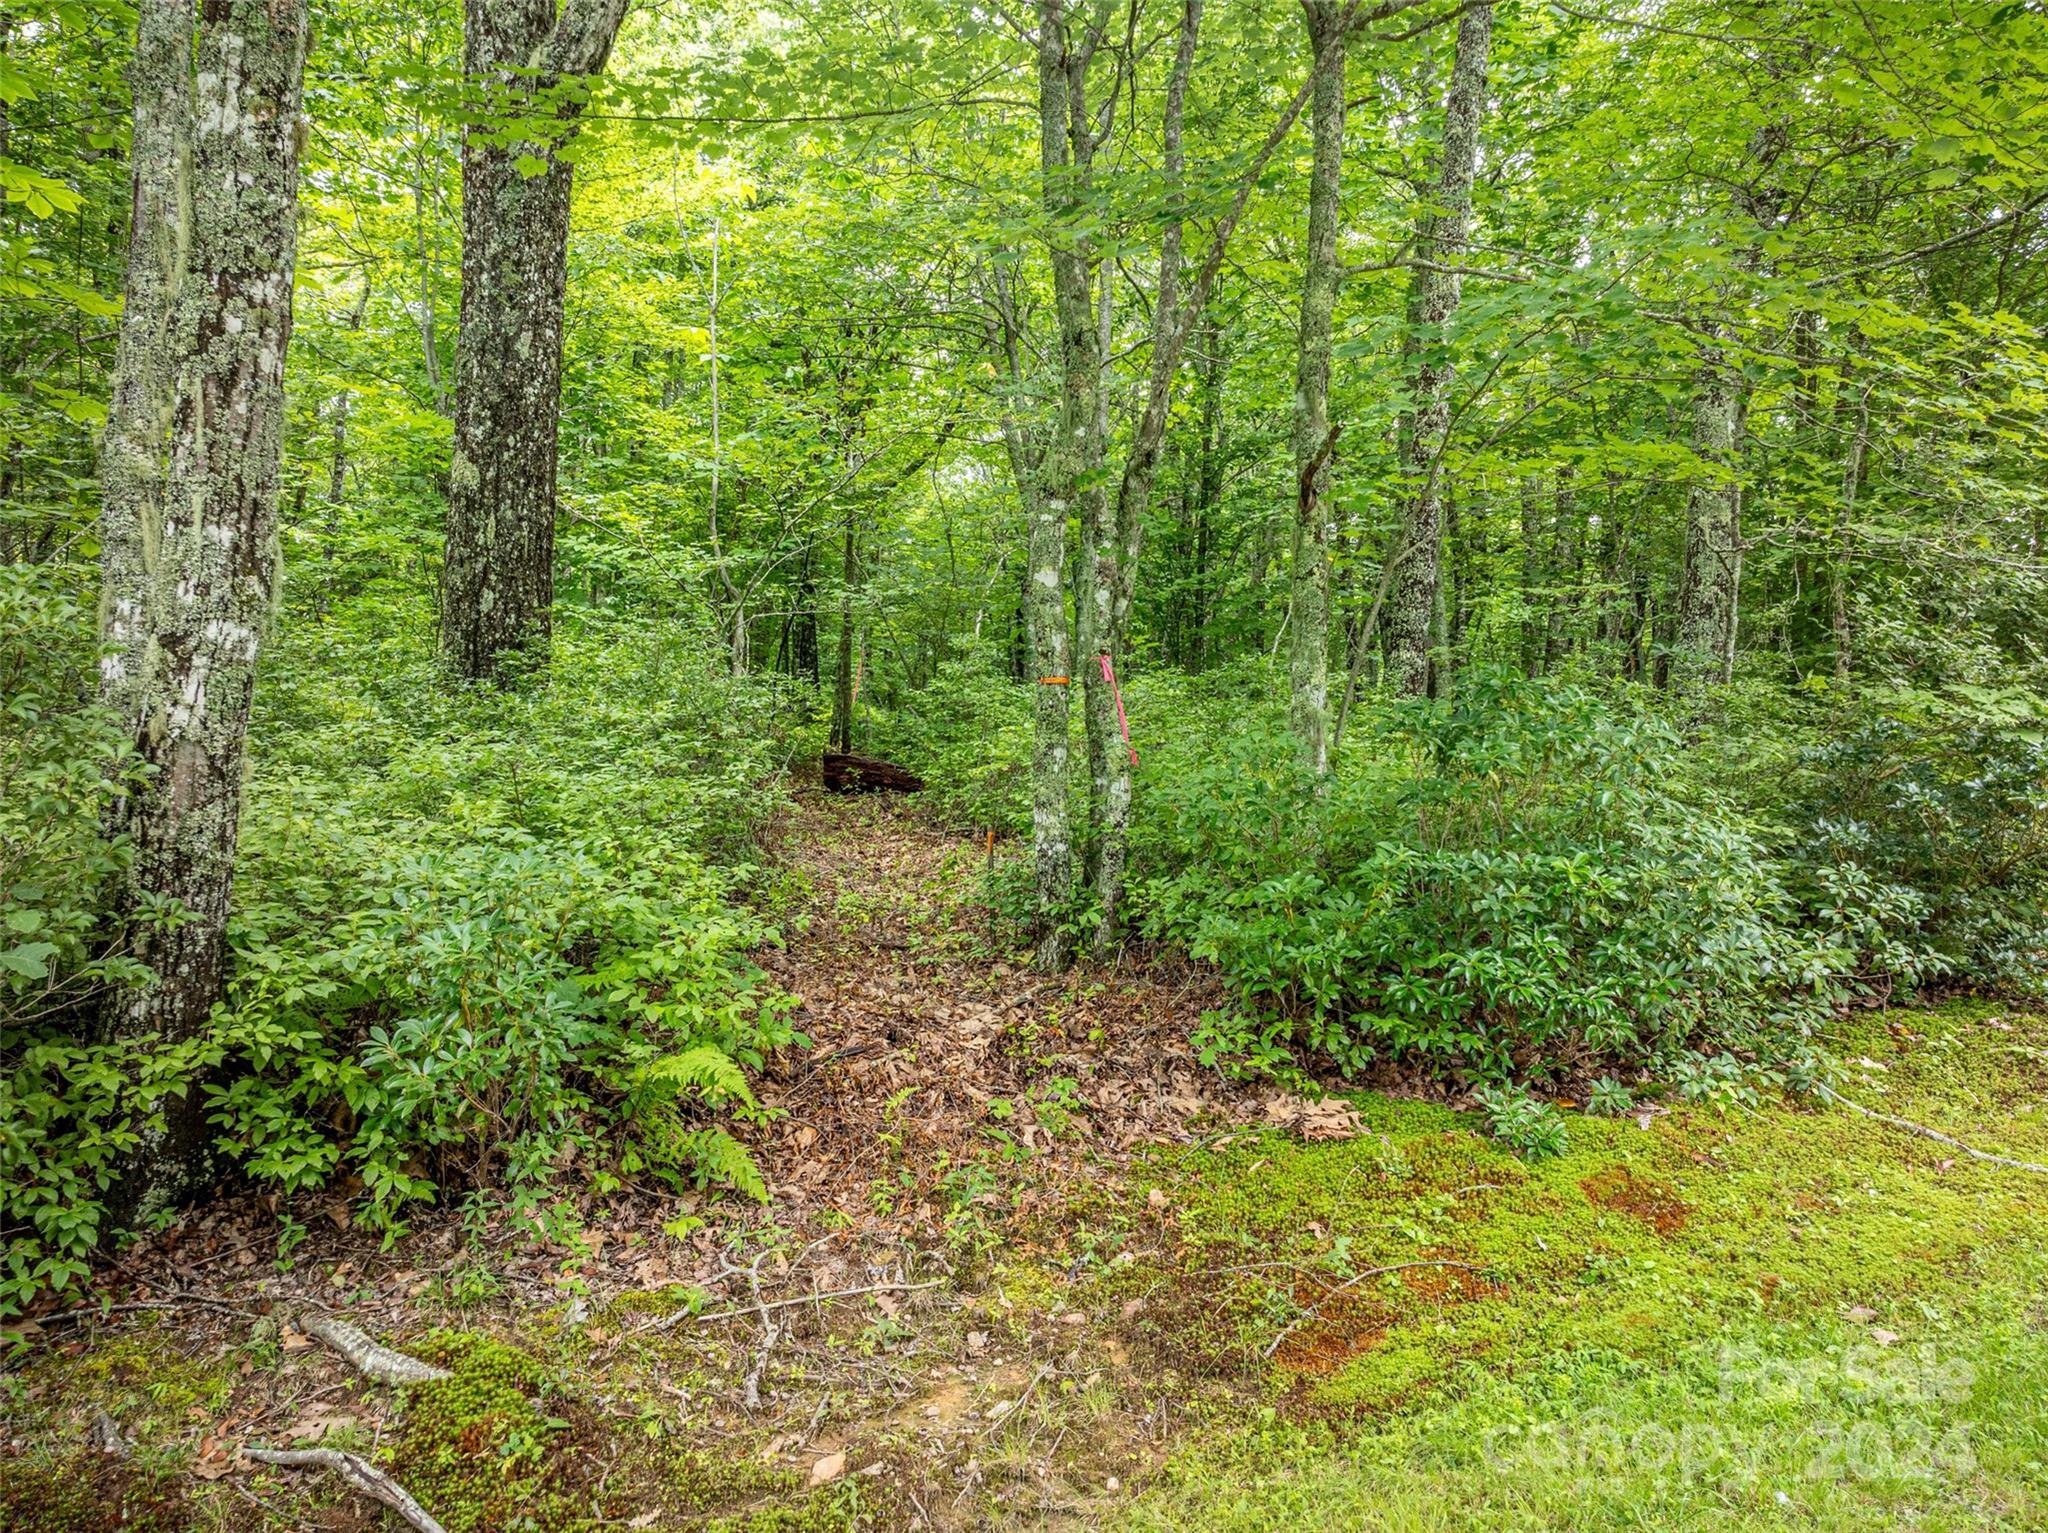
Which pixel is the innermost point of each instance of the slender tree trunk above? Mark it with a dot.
(1095, 584)
(1308, 605)
(1565, 558)
(1845, 532)
(1065, 460)
(189, 521)
(427, 250)
(1534, 623)
(804, 645)
(498, 579)
(1713, 531)
(1710, 580)
(1433, 298)
(1113, 556)
(842, 675)
(1208, 490)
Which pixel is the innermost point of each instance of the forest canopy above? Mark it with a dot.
(1509, 533)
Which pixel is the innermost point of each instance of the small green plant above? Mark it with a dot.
(1719, 1081)
(1533, 1130)
(1609, 1098)
(1244, 1047)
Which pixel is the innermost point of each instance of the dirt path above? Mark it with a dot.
(925, 1155)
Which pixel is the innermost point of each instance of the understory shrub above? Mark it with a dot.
(496, 1013)
(1505, 883)
(483, 939)
(1944, 799)
(968, 734)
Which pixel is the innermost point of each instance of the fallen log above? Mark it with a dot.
(370, 1359)
(358, 1473)
(868, 774)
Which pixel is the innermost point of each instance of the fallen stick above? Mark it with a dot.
(665, 1322)
(770, 1334)
(370, 1359)
(1316, 1308)
(1003, 1418)
(359, 1474)
(1935, 1134)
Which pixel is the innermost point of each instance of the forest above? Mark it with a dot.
(1127, 764)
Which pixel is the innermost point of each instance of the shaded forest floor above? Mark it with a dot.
(1026, 1263)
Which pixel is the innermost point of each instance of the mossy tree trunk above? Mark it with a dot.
(1309, 576)
(1440, 237)
(1709, 580)
(498, 576)
(189, 515)
(1065, 461)
(1114, 559)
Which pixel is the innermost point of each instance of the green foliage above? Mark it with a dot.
(1609, 1098)
(1943, 800)
(1533, 1130)
(479, 942)
(967, 732)
(62, 763)
(1499, 882)
(68, 1109)
(499, 1012)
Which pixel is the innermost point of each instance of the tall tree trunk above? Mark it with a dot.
(1208, 489)
(189, 519)
(1712, 571)
(1066, 459)
(1308, 604)
(1433, 298)
(1113, 556)
(498, 579)
(1534, 623)
(1710, 580)
(1845, 532)
(149, 353)
(842, 674)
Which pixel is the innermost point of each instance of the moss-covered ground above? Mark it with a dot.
(1707, 1316)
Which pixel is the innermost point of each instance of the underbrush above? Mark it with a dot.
(1526, 881)
(484, 940)
(1509, 883)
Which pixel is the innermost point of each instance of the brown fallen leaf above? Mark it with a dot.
(828, 1469)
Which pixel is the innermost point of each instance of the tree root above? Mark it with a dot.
(371, 1360)
(1935, 1134)
(360, 1475)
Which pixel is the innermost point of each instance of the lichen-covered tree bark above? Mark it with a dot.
(1712, 572)
(1440, 237)
(1308, 606)
(1845, 532)
(498, 576)
(133, 456)
(1710, 579)
(1114, 560)
(189, 519)
(1065, 459)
